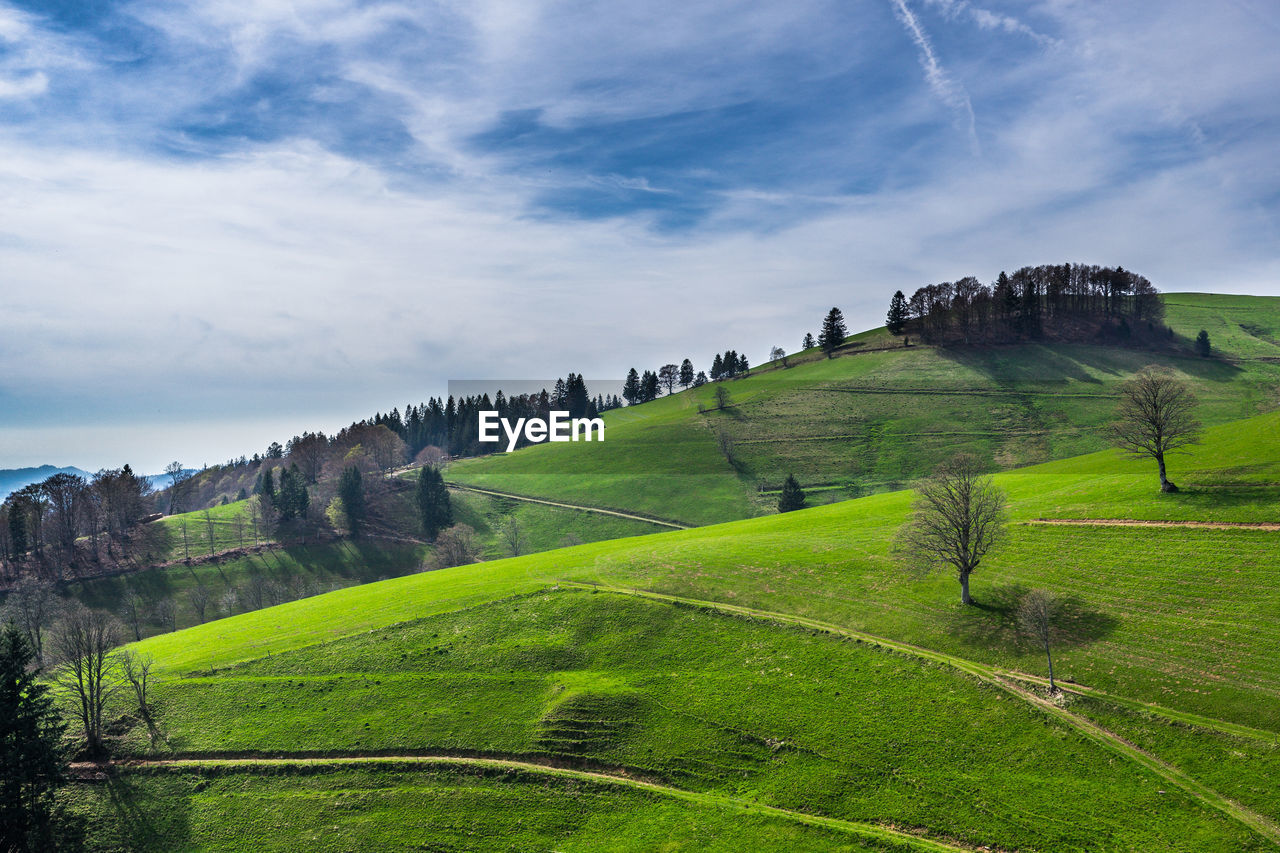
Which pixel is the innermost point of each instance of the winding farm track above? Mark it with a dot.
(1007, 680)
(868, 831)
(1134, 522)
(617, 514)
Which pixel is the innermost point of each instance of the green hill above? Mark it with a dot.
(784, 661)
(880, 415)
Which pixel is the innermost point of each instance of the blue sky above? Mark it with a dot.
(224, 223)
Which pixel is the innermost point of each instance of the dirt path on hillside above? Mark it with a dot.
(94, 772)
(647, 519)
(1134, 522)
(1006, 680)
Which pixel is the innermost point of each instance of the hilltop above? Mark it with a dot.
(881, 414)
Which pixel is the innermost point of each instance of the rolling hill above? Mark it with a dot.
(881, 414)
(784, 668)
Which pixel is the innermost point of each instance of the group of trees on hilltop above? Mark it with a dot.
(42, 522)
(1061, 302)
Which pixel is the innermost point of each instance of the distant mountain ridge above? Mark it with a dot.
(12, 479)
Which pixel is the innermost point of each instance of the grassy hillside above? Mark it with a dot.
(509, 659)
(881, 414)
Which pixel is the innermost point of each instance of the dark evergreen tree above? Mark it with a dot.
(792, 497)
(34, 763)
(648, 386)
(833, 332)
(275, 451)
(351, 491)
(686, 373)
(898, 315)
(292, 500)
(18, 525)
(1202, 344)
(435, 512)
(631, 388)
(700, 379)
(717, 367)
(809, 342)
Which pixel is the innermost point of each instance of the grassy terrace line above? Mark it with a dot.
(883, 837)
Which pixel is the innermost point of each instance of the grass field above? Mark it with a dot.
(781, 682)
(873, 419)
(704, 702)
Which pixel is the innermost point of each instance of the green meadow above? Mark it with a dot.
(779, 681)
(880, 415)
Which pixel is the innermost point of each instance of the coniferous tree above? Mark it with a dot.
(700, 379)
(792, 497)
(292, 500)
(898, 315)
(34, 763)
(351, 491)
(648, 386)
(833, 332)
(743, 366)
(809, 342)
(717, 367)
(1203, 347)
(434, 509)
(631, 388)
(686, 373)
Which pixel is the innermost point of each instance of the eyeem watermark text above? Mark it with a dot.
(560, 427)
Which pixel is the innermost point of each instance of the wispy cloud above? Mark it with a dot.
(947, 90)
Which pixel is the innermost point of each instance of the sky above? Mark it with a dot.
(224, 223)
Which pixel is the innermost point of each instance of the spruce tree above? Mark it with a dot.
(1203, 347)
(686, 373)
(896, 320)
(792, 497)
(351, 491)
(434, 509)
(833, 332)
(717, 367)
(809, 342)
(34, 764)
(631, 388)
(743, 366)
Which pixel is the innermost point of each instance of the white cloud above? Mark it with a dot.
(24, 87)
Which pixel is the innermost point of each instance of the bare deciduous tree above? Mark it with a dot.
(1036, 612)
(456, 546)
(178, 477)
(1154, 418)
(165, 613)
(513, 535)
(132, 606)
(778, 354)
(137, 671)
(83, 641)
(957, 516)
(209, 529)
(199, 596)
(31, 605)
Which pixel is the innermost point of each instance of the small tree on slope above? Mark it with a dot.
(957, 516)
(1154, 417)
(792, 497)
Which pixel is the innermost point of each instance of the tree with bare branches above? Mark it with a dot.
(957, 516)
(83, 642)
(1155, 417)
(1036, 612)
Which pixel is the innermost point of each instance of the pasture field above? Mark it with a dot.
(401, 806)
(698, 700)
(880, 414)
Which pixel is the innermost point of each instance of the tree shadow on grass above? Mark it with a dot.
(150, 813)
(992, 621)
